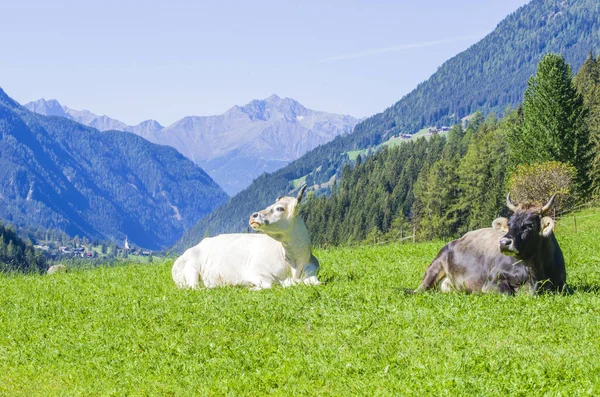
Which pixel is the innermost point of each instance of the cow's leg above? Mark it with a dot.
(519, 278)
(312, 280)
(497, 284)
(186, 272)
(191, 276)
(446, 285)
(527, 288)
(288, 282)
(434, 272)
(257, 283)
(309, 276)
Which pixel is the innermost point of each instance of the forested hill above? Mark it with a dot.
(17, 255)
(56, 173)
(489, 76)
(443, 187)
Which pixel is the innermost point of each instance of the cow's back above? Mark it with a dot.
(479, 245)
(235, 259)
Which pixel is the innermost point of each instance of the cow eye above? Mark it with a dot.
(280, 209)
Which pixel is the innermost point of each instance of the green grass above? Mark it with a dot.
(352, 155)
(420, 134)
(299, 182)
(128, 331)
(140, 258)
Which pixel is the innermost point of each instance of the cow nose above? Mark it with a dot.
(505, 242)
(255, 215)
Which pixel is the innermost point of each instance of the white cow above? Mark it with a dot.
(282, 255)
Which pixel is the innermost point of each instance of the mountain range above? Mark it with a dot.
(56, 173)
(235, 147)
(489, 76)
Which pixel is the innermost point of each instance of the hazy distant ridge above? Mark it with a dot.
(235, 147)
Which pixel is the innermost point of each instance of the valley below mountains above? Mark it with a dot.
(58, 174)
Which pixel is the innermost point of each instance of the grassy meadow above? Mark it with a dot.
(353, 154)
(127, 330)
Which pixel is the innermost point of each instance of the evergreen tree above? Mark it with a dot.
(11, 252)
(587, 82)
(482, 171)
(436, 188)
(553, 126)
(30, 260)
(113, 250)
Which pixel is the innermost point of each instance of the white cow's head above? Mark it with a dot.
(280, 218)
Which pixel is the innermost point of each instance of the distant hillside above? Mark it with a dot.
(489, 76)
(56, 173)
(235, 147)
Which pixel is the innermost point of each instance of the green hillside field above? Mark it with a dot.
(127, 330)
(353, 154)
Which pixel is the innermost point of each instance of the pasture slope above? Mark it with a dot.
(128, 331)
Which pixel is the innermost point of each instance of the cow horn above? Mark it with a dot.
(301, 193)
(510, 205)
(547, 206)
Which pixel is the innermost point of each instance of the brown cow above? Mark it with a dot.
(516, 252)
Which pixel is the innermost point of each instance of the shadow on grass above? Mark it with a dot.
(570, 289)
(583, 288)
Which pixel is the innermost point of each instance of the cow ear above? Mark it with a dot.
(278, 198)
(301, 193)
(500, 224)
(294, 208)
(547, 226)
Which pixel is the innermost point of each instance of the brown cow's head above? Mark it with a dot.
(527, 227)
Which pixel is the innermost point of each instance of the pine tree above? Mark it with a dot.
(587, 82)
(30, 260)
(2, 248)
(481, 178)
(10, 252)
(436, 190)
(113, 250)
(553, 126)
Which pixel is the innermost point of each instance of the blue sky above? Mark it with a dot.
(136, 60)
